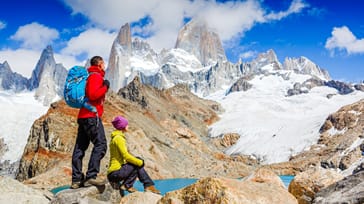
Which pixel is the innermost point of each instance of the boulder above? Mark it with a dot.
(12, 191)
(305, 185)
(348, 190)
(265, 176)
(140, 197)
(224, 190)
(92, 194)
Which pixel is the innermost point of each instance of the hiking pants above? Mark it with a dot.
(128, 174)
(89, 130)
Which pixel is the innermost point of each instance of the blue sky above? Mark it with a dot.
(329, 33)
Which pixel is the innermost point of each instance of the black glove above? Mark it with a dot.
(106, 83)
(142, 161)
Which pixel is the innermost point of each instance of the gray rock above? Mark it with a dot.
(341, 87)
(350, 190)
(92, 194)
(241, 85)
(14, 192)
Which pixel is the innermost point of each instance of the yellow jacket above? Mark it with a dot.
(119, 154)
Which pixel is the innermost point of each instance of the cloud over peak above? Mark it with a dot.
(35, 36)
(342, 39)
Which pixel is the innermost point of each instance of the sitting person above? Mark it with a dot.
(123, 166)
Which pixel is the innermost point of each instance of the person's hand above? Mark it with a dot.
(106, 83)
(142, 161)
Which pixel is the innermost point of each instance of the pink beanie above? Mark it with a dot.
(119, 122)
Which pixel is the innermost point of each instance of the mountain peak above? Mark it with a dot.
(200, 40)
(124, 38)
(303, 65)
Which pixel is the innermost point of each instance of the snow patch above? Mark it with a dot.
(19, 111)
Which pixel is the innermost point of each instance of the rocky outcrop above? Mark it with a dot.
(12, 191)
(305, 185)
(265, 176)
(348, 190)
(301, 88)
(359, 87)
(224, 190)
(168, 128)
(341, 87)
(241, 84)
(200, 40)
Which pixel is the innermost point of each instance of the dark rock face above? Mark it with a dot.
(305, 86)
(342, 87)
(359, 87)
(241, 85)
(349, 190)
(133, 92)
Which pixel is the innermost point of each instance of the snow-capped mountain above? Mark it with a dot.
(276, 109)
(47, 78)
(201, 41)
(273, 125)
(198, 60)
(127, 57)
(11, 80)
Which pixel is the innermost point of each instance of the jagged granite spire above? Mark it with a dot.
(46, 61)
(11, 80)
(119, 60)
(303, 65)
(48, 78)
(198, 39)
(124, 51)
(266, 58)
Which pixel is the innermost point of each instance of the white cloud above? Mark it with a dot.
(68, 61)
(295, 7)
(91, 42)
(248, 55)
(2, 25)
(35, 36)
(343, 39)
(22, 61)
(229, 19)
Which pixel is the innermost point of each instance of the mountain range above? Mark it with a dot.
(198, 60)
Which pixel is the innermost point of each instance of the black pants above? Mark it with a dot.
(89, 130)
(128, 174)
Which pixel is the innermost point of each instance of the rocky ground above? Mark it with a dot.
(167, 128)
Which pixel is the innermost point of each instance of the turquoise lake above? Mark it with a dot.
(167, 185)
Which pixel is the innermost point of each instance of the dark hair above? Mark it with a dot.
(96, 60)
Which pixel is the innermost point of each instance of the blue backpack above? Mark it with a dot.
(75, 88)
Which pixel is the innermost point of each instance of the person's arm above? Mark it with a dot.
(95, 87)
(121, 144)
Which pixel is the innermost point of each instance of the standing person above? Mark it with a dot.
(90, 128)
(123, 166)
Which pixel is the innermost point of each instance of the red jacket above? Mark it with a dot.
(95, 92)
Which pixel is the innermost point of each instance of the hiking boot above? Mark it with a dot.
(130, 190)
(115, 185)
(76, 184)
(94, 182)
(152, 189)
